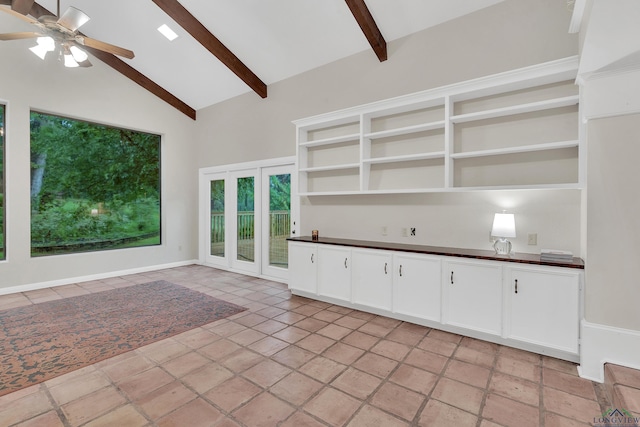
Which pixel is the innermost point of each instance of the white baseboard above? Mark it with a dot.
(602, 344)
(106, 275)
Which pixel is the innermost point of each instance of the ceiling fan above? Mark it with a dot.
(61, 33)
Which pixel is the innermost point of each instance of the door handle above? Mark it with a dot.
(345, 263)
(452, 277)
(385, 268)
(516, 286)
(311, 258)
(400, 270)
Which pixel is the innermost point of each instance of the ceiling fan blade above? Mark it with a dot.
(105, 47)
(73, 18)
(25, 18)
(18, 36)
(22, 6)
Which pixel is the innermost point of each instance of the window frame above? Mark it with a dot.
(160, 223)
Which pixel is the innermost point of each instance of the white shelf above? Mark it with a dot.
(564, 186)
(355, 137)
(516, 150)
(331, 168)
(406, 130)
(392, 166)
(517, 109)
(443, 189)
(405, 158)
(330, 193)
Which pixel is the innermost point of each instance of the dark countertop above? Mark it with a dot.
(438, 250)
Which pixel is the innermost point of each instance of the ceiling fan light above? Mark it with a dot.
(69, 62)
(46, 43)
(78, 54)
(40, 51)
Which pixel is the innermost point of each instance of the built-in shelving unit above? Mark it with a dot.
(518, 129)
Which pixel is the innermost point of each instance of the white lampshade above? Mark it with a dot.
(39, 50)
(504, 225)
(47, 43)
(78, 54)
(69, 62)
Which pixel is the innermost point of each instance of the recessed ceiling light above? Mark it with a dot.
(167, 32)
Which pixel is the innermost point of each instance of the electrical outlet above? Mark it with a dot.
(413, 231)
(532, 239)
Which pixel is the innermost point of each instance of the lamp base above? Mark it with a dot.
(502, 246)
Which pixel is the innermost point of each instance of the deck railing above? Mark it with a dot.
(279, 230)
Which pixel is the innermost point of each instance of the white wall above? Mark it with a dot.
(454, 220)
(612, 108)
(611, 329)
(613, 225)
(509, 35)
(97, 94)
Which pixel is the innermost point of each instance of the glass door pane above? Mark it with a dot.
(217, 218)
(246, 219)
(278, 222)
(279, 219)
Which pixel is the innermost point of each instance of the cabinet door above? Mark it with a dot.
(334, 272)
(417, 283)
(303, 267)
(543, 306)
(372, 278)
(473, 295)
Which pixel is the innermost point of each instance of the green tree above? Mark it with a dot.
(84, 160)
(92, 183)
(280, 192)
(246, 194)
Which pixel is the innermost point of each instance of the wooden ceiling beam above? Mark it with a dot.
(139, 78)
(123, 68)
(186, 20)
(369, 27)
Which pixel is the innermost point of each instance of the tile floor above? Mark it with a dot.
(291, 361)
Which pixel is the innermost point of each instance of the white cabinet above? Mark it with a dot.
(417, 283)
(543, 306)
(529, 306)
(473, 295)
(334, 272)
(303, 267)
(372, 278)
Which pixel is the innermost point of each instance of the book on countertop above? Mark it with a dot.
(555, 255)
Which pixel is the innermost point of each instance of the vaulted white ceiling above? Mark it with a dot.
(275, 39)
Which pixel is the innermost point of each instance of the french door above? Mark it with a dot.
(247, 216)
(278, 220)
(243, 227)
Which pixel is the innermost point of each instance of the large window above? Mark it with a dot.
(2, 222)
(93, 187)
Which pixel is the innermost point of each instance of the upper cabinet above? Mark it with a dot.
(518, 129)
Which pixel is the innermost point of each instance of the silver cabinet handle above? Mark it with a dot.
(516, 286)
(345, 263)
(311, 258)
(452, 277)
(400, 270)
(385, 268)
